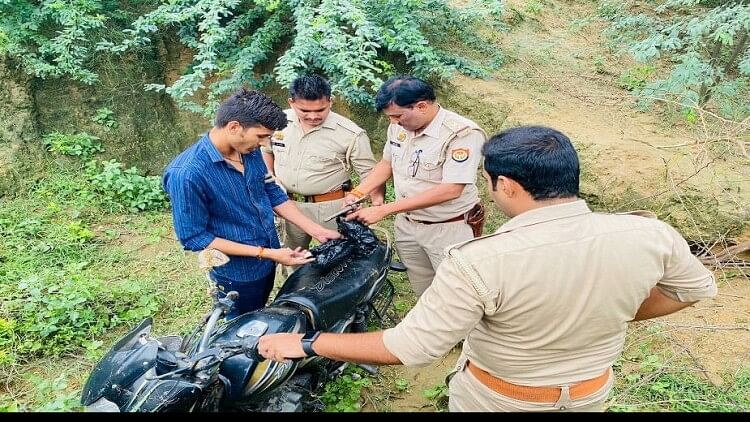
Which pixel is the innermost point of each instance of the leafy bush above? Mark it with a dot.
(636, 78)
(59, 311)
(51, 38)
(105, 117)
(53, 395)
(356, 43)
(344, 394)
(128, 187)
(81, 145)
(707, 42)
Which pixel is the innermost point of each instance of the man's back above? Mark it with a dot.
(566, 282)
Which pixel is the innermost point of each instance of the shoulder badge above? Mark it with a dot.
(460, 154)
(278, 135)
(401, 136)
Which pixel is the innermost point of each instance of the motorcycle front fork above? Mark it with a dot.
(359, 325)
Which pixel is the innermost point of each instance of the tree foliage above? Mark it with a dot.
(50, 37)
(706, 41)
(355, 43)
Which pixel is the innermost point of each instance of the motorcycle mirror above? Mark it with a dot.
(210, 258)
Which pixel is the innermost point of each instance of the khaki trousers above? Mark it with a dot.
(294, 237)
(468, 394)
(421, 247)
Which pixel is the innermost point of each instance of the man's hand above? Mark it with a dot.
(323, 234)
(281, 347)
(370, 215)
(349, 199)
(286, 256)
(377, 198)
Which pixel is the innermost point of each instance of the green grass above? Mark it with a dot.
(652, 376)
(77, 271)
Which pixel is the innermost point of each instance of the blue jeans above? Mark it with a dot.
(253, 294)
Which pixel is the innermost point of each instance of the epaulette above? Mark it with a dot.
(461, 129)
(640, 213)
(475, 239)
(348, 125)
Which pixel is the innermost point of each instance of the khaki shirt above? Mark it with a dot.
(319, 161)
(447, 151)
(557, 286)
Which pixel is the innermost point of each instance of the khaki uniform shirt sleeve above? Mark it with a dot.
(387, 151)
(389, 133)
(685, 278)
(465, 172)
(361, 157)
(447, 311)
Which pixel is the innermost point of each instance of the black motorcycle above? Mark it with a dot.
(345, 289)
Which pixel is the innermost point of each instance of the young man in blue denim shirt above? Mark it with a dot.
(223, 198)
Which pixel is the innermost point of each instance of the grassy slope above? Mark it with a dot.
(57, 230)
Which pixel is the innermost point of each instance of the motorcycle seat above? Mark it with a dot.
(329, 295)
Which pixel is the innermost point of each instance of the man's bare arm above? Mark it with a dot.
(359, 347)
(658, 304)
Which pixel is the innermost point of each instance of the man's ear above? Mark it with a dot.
(234, 127)
(290, 101)
(507, 185)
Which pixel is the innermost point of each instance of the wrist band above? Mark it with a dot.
(357, 193)
(260, 252)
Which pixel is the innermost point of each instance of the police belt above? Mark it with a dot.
(461, 217)
(537, 394)
(323, 197)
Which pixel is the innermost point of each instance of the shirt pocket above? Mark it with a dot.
(427, 169)
(318, 163)
(397, 151)
(281, 154)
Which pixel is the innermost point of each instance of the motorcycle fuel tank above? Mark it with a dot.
(247, 375)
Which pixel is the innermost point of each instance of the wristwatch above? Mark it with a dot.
(307, 341)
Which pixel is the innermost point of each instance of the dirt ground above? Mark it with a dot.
(551, 80)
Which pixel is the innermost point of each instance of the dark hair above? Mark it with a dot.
(404, 91)
(542, 160)
(310, 87)
(250, 108)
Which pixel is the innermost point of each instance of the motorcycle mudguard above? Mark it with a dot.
(127, 361)
(245, 374)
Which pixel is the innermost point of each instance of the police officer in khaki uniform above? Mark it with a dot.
(432, 154)
(543, 304)
(312, 156)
